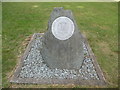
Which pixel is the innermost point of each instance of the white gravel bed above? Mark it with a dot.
(34, 66)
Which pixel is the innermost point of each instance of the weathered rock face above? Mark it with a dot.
(62, 43)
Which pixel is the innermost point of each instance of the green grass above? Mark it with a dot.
(98, 21)
(0, 45)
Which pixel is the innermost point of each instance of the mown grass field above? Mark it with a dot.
(0, 45)
(98, 21)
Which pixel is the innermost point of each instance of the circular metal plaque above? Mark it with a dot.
(63, 28)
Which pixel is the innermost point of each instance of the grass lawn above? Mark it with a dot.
(0, 45)
(98, 21)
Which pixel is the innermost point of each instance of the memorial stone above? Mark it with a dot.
(62, 43)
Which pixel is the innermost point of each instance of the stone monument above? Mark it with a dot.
(62, 43)
(62, 55)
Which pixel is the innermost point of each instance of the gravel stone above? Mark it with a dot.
(34, 66)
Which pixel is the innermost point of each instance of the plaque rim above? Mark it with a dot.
(71, 31)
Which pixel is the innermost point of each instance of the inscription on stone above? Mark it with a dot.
(63, 28)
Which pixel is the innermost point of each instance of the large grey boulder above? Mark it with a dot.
(62, 44)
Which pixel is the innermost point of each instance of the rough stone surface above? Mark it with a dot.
(35, 67)
(62, 54)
